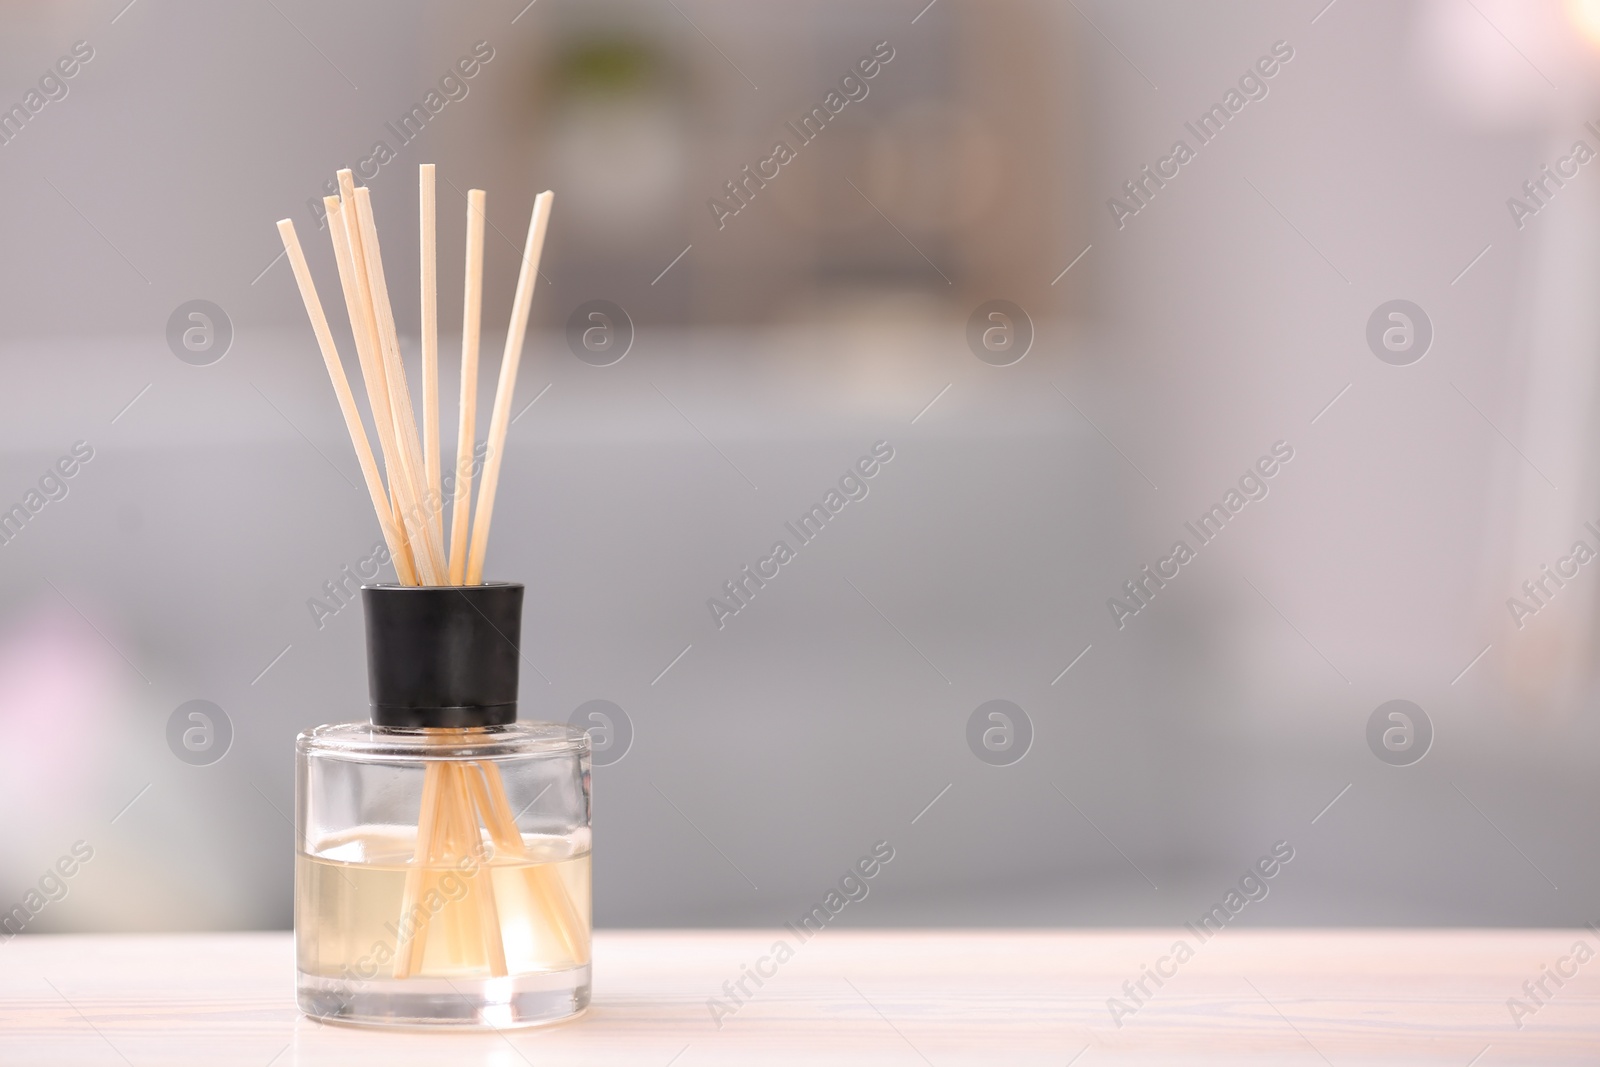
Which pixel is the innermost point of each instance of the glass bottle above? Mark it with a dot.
(442, 872)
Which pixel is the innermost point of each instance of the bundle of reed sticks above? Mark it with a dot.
(411, 508)
(458, 797)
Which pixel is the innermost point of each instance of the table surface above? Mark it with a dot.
(846, 997)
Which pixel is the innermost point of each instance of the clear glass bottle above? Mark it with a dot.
(442, 872)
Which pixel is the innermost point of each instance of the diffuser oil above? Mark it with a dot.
(355, 919)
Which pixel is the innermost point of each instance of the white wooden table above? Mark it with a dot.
(897, 997)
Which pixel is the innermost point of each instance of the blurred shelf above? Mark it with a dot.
(846, 997)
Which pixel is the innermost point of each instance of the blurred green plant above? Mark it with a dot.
(609, 67)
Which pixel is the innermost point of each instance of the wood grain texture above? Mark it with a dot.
(940, 998)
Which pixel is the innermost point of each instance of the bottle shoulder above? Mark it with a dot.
(364, 740)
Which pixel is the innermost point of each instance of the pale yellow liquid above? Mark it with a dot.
(349, 900)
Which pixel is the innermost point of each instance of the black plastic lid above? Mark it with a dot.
(443, 655)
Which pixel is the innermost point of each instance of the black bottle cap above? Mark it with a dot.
(443, 655)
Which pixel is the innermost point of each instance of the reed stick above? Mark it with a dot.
(364, 331)
(459, 851)
(348, 256)
(430, 560)
(500, 419)
(469, 789)
(413, 938)
(347, 401)
(428, 242)
(467, 430)
(545, 884)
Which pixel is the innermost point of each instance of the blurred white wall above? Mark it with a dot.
(832, 313)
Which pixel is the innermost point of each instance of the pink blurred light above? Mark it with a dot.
(58, 695)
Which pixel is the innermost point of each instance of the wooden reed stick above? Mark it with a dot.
(466, 433)
(347, 402)
(473, 804)
(429, 243)
(447, 834)
(461, 933)
(364, 330)
(405, 490)
(543, 880)
(430, 560)
(413, 939)
(500, 419)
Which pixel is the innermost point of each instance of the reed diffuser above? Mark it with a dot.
(442, 877)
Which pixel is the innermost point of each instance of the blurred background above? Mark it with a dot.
(1148, 355)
